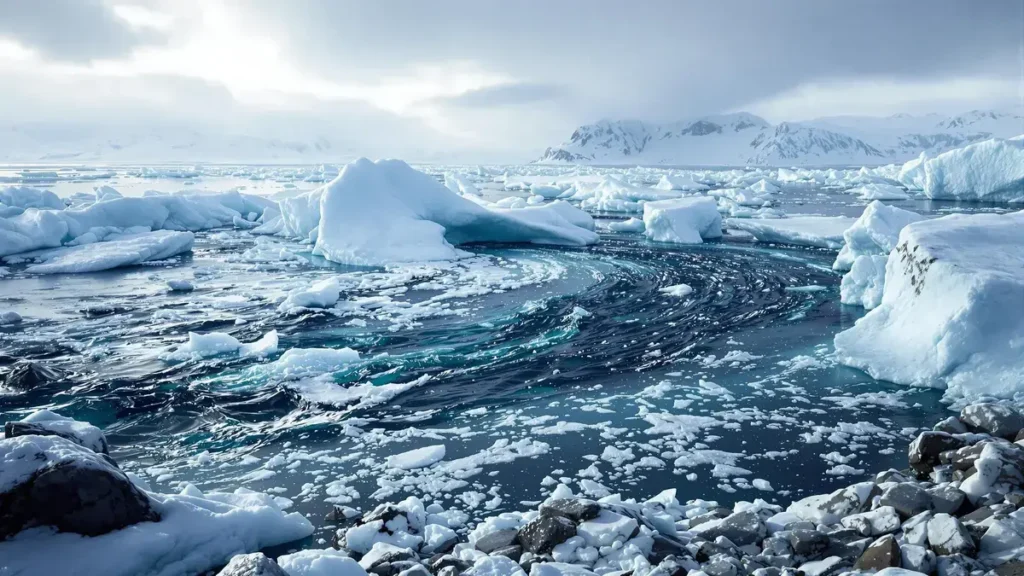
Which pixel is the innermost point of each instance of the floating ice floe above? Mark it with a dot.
(115, 251)
(992, 170)
(628, 225)
(219, 343)
(376, 213)
(683, 182)
(678, 290)
(821, 231)
(951, 312)
(418, 458)
(875, 233)
(683, 220)
(877, 191)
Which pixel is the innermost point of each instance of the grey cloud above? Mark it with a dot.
(69, 30)
(506, 95)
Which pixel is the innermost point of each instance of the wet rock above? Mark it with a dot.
(575, 510)
(947, 499)
(877, 522)
(808, 543)
(924, 451)
(707, 550)
(917, 558)
(514, 552)
(882, 553)
(544, 533)
(1011, 568)
(664, 547)
(951, 425)
(496, 539)
(995, 419)
(30, 375)
(907, 498)
(252, 565)
(741, 528)
(71, 488)
(947, 536)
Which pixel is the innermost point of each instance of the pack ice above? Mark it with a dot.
(383, 212)
(952, 310)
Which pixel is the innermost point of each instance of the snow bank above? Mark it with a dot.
(951, 312)
(115, 251)
(683, 220)
(821, 231)
(874, 233)
(992, 170)
(197, 532)
(375, 213)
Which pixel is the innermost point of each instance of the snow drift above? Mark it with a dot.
(377, 213)
(951, 312)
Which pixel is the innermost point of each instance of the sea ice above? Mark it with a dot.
(116, 251)
(951, 311)
(821, 231)
(876, 191)
(683, 220)
(418, 458)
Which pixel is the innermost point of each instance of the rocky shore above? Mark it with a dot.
(954, 511)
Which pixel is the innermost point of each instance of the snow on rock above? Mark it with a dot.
(875, 233)
(9, 317)
(683, 221)
(116, 251)
(326, 562)
(418, 458)
(197, 532)
(821, 231)
(992, 170)
(45, 422)
(951, 311)
(376, 213)
(864, 283)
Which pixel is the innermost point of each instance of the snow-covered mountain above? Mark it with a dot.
(742, 138)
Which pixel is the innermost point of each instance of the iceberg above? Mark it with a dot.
(951, 313)
(116, 251)
(25, 197)
(683, 221)
(911, 174)
(874, 233)
(863, 284)
(377, 213)
(992, 170)
(683, 182)
(820, 231)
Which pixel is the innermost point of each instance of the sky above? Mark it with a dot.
(493, 78)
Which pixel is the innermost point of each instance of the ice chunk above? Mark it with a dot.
(821, 231)
(629, 225)
(301, 362)
(25, 197)
(873, 234)
(951, 311)
(117, 251)
(863, 284)
(218, 343)
(376, 213)
(683, 220)
(326, 562)
(911, 173)
(683, 182)
(992, 170)
(877, 191)
(418, 458)
(677, 290)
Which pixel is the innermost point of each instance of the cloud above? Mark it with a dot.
(506, 95)
(71, 30)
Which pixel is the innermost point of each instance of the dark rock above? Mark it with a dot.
(442, 548)
(544, 533)
(924, 451)
(947, 499)
(995, 419)
(438, 562)
(917, 558)
(1015, 499)
(720, 566)
(13, 429)
(385, 512)
(882, 553)
(957, 565)
(496, 539)
(666, 546)
(410, 569)
(741, 528)
(575, 510)
(84, 493)
(826, 567)
(963, 458)
(979, 515)
(808, 543)
(514, 552)
(252, 565)
(1011, 568)
(448, 571)
(528, 564)
(846, 544)
(947, 536)
(674, 566)
(707, 550)
(951, 425)
(907, 498)
(31, 375)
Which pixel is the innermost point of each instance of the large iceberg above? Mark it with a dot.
(875, 233)
(952, 310)
(821, 231)
(683, 221)
(384, 212)
(992, 170)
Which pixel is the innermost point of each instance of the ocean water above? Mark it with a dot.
(530, 365)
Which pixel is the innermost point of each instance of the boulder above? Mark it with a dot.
(514, 552)
(29, 375)
(741, 528)
(907, 498)
(947, 536)
(544, 533)
(808, 543)
(995, 419)
(957, 565)
(924, 451)
(571, 508)
(827, 567)
(946, 499)
(497, 539)
(917, 558)
(46, 423)
(252, 565)
(51, 481)
(831, 508)
(1011, 568)
(951, 425)
(882, 520)
(882, 553)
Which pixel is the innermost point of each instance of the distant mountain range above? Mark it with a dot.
(745, 139)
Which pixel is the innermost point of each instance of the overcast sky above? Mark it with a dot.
(496, 75)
